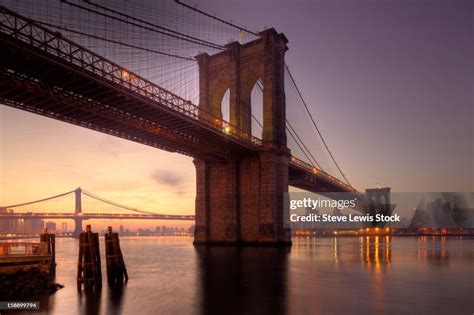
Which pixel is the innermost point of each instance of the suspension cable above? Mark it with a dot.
(115, 42)
(40, 200)
(199, 42)
(314, 123)
(294, 135)
(151, 24)
(304, 145)
(114, 203)
(214, 17)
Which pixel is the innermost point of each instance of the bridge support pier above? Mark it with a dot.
(77, 227)
(241, 202)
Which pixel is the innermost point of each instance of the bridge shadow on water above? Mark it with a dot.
(243, 280)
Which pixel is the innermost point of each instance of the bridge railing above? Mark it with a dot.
(24, 249)
(42, 38)
(319, 172)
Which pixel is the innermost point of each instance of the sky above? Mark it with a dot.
(389, 82)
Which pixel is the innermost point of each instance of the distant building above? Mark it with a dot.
(31, 226)
(440, 214)
(121, 230)
(64, 227)
(9, 225)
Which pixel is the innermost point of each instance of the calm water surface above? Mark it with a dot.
(371, 275)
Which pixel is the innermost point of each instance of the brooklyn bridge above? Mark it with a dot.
(244, 165)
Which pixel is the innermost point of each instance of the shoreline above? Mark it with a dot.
(27, 284)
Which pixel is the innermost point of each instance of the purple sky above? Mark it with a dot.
(390, 83)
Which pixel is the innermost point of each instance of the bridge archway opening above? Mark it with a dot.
(225, 105)
(256, 109)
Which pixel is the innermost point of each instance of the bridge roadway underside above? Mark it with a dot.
(38, 82)
(306, 180)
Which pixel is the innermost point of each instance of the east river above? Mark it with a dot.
(335, 275)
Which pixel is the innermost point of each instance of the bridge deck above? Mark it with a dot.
(44, 73)
(47, 74)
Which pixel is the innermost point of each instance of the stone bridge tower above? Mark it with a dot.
(78, 210)
(378, 202)
(240, 201)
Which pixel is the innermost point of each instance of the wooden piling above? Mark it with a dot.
(88, 267)
(116, 270)
(50, 240)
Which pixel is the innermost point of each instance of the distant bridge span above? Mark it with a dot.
(88, 216)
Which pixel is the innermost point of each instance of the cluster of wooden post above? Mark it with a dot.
(50, 239)
(89, 272)
(89, 268)
(116, 270)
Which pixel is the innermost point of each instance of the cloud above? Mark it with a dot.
(168, 178)
(120, 186)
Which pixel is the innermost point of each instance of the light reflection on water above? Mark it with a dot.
(340, 275)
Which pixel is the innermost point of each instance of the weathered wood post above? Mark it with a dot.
(50, 240)
(116, 270)
(88, 267)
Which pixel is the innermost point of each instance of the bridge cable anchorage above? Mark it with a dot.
(214, 17)
(182, 36)
(294, 135)
(39, 200)
(115, 42)
(314, 123)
